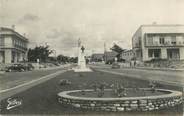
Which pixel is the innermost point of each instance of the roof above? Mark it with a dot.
(158, 25)
(128, 51)
(12, 32)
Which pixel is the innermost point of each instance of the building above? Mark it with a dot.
(109, 56)
(13, 46)
(127, 55)
(97, 57)
(159, 41)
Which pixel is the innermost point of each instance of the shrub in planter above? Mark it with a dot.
(64, 82)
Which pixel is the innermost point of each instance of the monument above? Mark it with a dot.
(81, 64)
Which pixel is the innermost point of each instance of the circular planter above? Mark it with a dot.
(169, 98)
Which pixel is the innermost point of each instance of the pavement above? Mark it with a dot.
(163, 76)
(14, 82)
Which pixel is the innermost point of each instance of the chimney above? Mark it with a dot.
(13, 27)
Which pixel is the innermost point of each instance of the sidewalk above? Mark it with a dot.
(56, 67)
(164, 69)
(142, 68)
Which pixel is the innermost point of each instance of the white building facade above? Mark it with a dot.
(13, 46)
(159, 41)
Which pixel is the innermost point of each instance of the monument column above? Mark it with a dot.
(79, 52)
(81, 66)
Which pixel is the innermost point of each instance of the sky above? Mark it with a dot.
(60, 23)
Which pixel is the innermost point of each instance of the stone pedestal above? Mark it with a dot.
(82, 65)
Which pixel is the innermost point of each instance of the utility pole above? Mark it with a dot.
(105, 57)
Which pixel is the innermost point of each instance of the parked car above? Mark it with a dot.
(29, 66)
(16, 67)
(115, 66)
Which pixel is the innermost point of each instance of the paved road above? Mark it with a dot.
(170, 77)
(15, 82)
(42, 99)
(12, 79)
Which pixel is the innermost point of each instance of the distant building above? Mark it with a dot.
(97, 57)
(127, 55)
(109, 56)
(159, 41)
(13, 46)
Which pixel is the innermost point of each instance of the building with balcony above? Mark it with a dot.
(13, 46)
(159, 41)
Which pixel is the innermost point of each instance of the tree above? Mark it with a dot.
(73, 59)
(62, 58)
(39, 52)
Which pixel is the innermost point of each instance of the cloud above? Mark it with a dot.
(54, 34)
(62, 39)
(28, 18)
(62, 22)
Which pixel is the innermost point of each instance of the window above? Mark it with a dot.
(161, 40)
(150, 41)
(173, 40)
(1, 41)
(150, 53)
(154, 53)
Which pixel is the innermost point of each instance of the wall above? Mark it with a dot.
(1, 56)
(182, 53)
(8, 42)
(163, 28)
(123, 104)
(136, 44)
(8, 55)
(136, 37)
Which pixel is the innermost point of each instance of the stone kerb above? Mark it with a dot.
(145, 103)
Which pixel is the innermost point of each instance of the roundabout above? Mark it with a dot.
(147, 100)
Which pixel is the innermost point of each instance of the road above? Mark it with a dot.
(167, 77)
(15, 82)
(41, 98)
(12, 79)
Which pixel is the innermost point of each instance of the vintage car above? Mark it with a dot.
(19, 68)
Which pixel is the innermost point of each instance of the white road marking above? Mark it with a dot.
(30, 82)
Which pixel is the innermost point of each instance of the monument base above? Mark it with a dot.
(78, 69)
